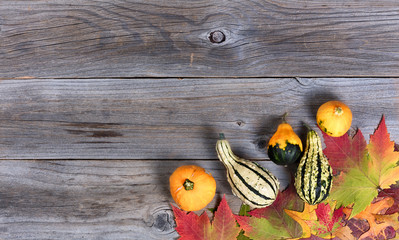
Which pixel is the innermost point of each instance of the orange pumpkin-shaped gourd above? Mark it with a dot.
(334, 118)
(191, 187)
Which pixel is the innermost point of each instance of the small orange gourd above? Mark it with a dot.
(334, 118)
(191, 187)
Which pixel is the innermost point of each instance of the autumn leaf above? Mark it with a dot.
(193, 227)
(244, 212)
(320, 220)
(313, 237)
(393, 192)
(373, 222)
(349, 157)
(305, 217)
(341, 151)
(188, 224)
(363, 169)
(346, 233)
(384, 158)
(329, 218)
(272, 222)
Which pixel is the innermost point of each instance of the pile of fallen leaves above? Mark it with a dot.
(363, 204)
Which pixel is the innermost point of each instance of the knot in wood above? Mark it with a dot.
(261, 144)
(163, 220)
(217, 37)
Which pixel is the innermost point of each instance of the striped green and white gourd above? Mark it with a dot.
(313, 178)
(254, 185)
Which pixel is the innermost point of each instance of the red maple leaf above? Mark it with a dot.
(323, 213)
(193, 227)
(341, 150)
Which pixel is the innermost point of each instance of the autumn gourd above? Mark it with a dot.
(285, 147)
(313, 177)
(334, 118)
(254, 185)
(191, 187)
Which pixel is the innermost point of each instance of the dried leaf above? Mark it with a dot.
(373, 223)
(394, 193)
(345, 233)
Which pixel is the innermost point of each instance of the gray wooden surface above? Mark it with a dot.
(87, 38)
(173, 118)
(97, 199)
(101, 100)
(154, 125)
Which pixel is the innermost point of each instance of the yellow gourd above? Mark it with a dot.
(334, 118)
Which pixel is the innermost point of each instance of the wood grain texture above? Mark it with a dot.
(87, 38)
(174, 118)
(96, 199)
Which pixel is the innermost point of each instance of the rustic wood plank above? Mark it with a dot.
(174, 118)
(87, 38)
(96, 199)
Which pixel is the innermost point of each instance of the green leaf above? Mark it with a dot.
(357, 189)
(241, 236)
(244, 210)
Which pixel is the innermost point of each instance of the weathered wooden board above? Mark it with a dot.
(174, 118)
(87, 38)
(96, 199)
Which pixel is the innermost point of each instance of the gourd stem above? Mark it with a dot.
(188, 185)
(307, 126)
(338, 111)
(285, 117)
(221, 136)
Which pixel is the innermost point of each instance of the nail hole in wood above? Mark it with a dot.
(240, 123)
(217, 37)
